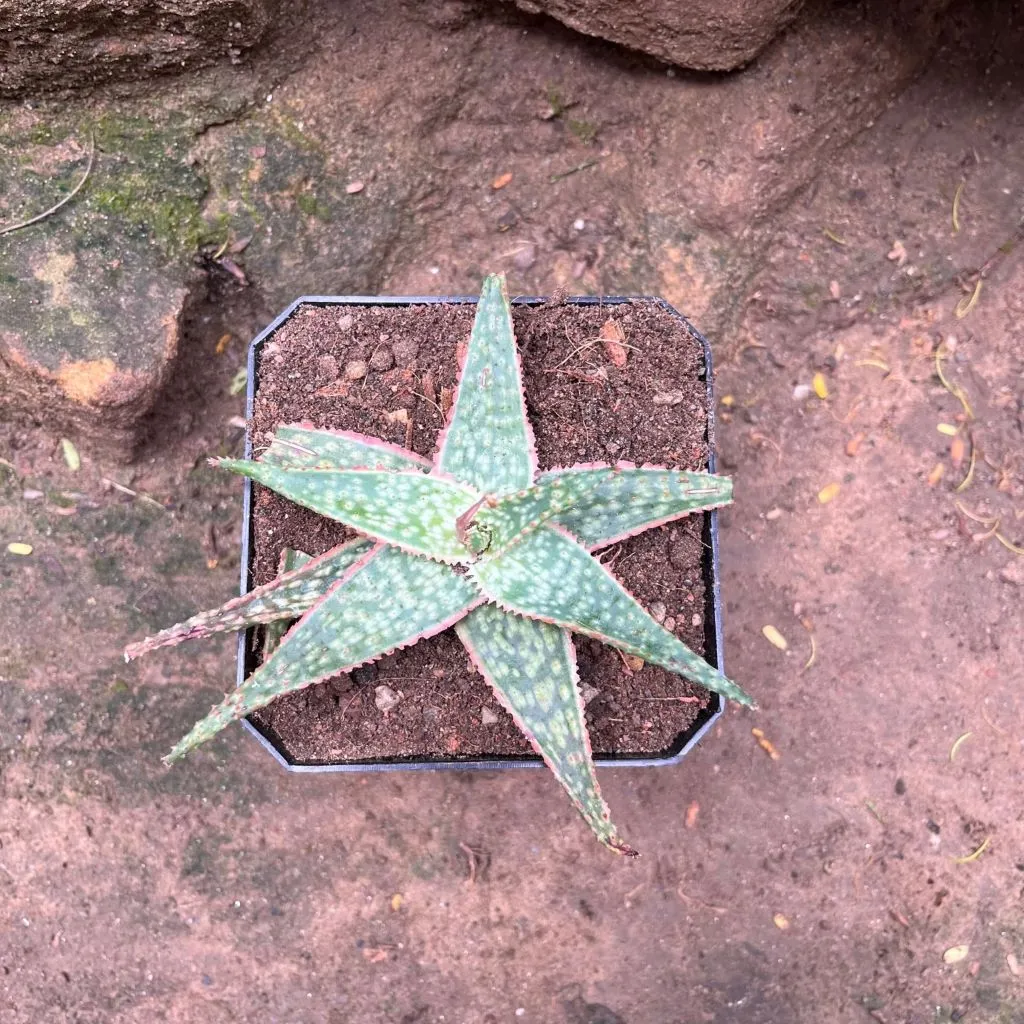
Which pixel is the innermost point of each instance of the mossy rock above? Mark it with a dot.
(91, 297)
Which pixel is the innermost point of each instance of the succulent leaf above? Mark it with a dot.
(289, 562)
(618, 501)
(548, 575)
(303, 446)
(488, 442)
(287, 597)
(415, 512)
(388, 599)
(532, 667)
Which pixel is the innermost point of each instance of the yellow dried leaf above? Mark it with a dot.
(957, 450)
(728, 401)
(955, 954)
(820, 386)
(828, 493)
(936, 474)
(774, 637)
(396, 901)
(765, 744)
(222, 343)
(947, 428)
(781, 922)
(17, 548)
(71, 456)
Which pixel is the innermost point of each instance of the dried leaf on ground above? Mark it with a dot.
(614, 342)
(765, 744)
(18, 548)
(354, 187)
(820, 386)
(781, 922)
(936, 474)
(774, 637)
(955, 954)
(71, 456)
(957, 450)
(828, 493)
(691, 814)
(501, 181)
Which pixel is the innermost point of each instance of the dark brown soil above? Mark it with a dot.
(583, 408)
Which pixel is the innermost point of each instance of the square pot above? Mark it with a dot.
(247, 660)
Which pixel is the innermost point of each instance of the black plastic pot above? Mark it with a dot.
(683, 743)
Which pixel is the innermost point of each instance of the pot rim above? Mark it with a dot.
(713, 638)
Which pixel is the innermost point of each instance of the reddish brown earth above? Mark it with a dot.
(823, 886)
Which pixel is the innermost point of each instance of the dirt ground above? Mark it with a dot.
(836, 883)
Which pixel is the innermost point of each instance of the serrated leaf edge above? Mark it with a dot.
(183, 747)
(613, 842)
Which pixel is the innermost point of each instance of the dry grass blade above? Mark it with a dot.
(973, 516)
(975, 855)
(956, 207)
(833, 237)
(958, 743)
(1008, 544)
(968, 302)
(56, 206)
(954, 389)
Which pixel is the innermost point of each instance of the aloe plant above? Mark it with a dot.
(478, 539)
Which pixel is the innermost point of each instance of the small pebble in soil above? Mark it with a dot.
(355, 370)
(669, 623)
(382, 359)
(588, 693)
(801, 391)
(658, 611)
(328, 367)
(901, 787)
(385, 698)
(405, 351)
(525, 257)
(488, 717)
(934, 826)
(345, 322)
(668, 398)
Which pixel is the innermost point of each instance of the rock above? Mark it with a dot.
(355, 370)
(405, 351)
(1013, 572)
(59, 45)
(709, 35)
(525, 256)
(658, 611)
(588, 693)
(488, 717)
(385, 698)
(327, 367)
(93, 297)
(382, 359)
